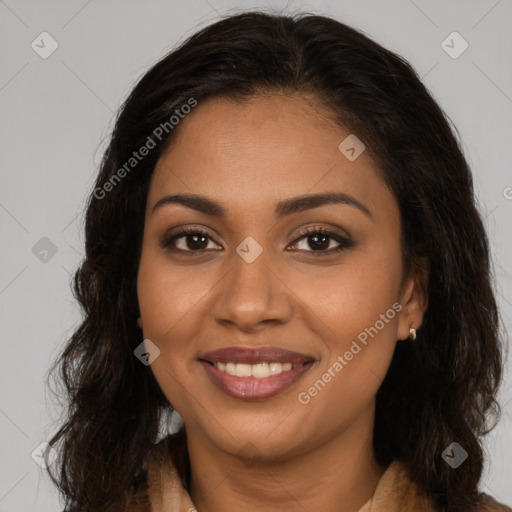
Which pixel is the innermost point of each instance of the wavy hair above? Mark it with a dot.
(439, 389)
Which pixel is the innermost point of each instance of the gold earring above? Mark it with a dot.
(412, 333)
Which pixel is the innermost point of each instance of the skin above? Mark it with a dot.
(248, 156)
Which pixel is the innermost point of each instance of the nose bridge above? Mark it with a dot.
(251, 293)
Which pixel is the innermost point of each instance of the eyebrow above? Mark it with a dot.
(283, 208)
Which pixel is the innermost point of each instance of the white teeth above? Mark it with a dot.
(243, 370)
(259, 370)
(275, 368)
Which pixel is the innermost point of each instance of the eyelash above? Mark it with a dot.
(344, 242)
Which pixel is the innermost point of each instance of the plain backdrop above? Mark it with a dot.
(57, 111)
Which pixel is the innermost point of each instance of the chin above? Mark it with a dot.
(258, 440)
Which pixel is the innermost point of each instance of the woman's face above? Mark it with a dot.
(273, 279)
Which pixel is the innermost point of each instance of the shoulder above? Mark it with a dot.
(397, 490)
(489, 504)
(140, 501)
(171, 445)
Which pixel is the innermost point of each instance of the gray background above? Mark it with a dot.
(57, 112)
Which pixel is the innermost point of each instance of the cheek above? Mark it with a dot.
(355, 309)
(350, 297)
(169, 301)
(167, 294)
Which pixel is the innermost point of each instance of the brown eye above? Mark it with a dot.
(188, 240)
(320, 241)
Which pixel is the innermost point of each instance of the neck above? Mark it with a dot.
(338, 474)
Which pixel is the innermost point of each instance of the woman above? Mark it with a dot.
(282, 246)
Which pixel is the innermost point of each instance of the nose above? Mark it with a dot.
(252, 296)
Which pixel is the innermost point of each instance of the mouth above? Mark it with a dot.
(255, 374)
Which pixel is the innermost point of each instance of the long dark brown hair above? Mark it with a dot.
(438, 390)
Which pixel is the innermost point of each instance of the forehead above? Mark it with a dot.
(261, 150)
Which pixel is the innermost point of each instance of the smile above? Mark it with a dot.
(259, 371)
(254, 374)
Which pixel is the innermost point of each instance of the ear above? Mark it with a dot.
(413, 298)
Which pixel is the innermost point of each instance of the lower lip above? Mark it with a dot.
(251, 388)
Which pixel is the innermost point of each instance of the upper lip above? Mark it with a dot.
(255, 355)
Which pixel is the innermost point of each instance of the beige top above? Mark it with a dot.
(164, 491)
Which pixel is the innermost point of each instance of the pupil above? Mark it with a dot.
(322, 245)
(194, 244)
